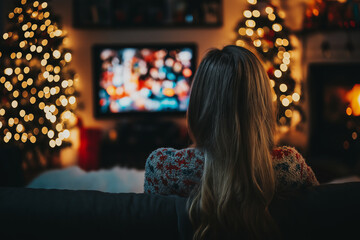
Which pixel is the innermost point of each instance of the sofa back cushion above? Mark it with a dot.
(69, 214)
(330, 211)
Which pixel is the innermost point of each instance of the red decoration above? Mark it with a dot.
(89, 150)
(270, 72)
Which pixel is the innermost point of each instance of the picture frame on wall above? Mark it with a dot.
(147, 13)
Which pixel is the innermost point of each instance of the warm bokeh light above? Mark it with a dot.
(283, 87)
(260, 32)
(288, 113)
(247, 14)
(250, 23)
(278, 73)
(240, 43)
(276, 27)
(353, 96)
(253, 2)
(8, 71)
(354, 135)
(68, 57)
(56, 54)
(256, 13)
(283, 67)
(296, 97)
(257, 43)
(348, 111)
(249, 32)
(242, 31)
(285, 102)
(269, 10)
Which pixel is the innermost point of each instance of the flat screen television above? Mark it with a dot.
(143, 79)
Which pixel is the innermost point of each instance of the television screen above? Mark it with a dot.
(133, 79)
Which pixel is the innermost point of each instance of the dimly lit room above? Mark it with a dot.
(179, 119)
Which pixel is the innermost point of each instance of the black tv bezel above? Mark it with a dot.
(96, 62)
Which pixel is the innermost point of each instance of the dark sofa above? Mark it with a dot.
(329, 211)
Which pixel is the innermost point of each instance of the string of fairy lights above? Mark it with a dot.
(37, 89)
(262, 28)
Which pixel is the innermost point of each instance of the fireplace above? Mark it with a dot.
(334, 96)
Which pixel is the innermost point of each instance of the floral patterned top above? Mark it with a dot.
(176, 172)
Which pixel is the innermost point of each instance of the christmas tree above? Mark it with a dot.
(262, 29)
(38, 95)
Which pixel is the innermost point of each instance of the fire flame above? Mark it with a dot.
(353, 96)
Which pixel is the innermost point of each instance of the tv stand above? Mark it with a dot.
(130, 143)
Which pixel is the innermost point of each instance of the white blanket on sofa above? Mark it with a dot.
(115, 180)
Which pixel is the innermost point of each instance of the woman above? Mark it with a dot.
(235, 169)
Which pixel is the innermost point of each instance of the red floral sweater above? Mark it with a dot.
(176, 172)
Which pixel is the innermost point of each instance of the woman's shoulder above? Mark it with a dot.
(171, 171)
(285, 153)
(286, 158)
(174, 161)
(170, 154)
(291, 168)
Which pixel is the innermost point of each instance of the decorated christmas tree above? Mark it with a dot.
(38, 96)
(262, 29)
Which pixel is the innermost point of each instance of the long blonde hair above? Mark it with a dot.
(231, 119)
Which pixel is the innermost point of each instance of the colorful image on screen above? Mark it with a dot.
(144, 79)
